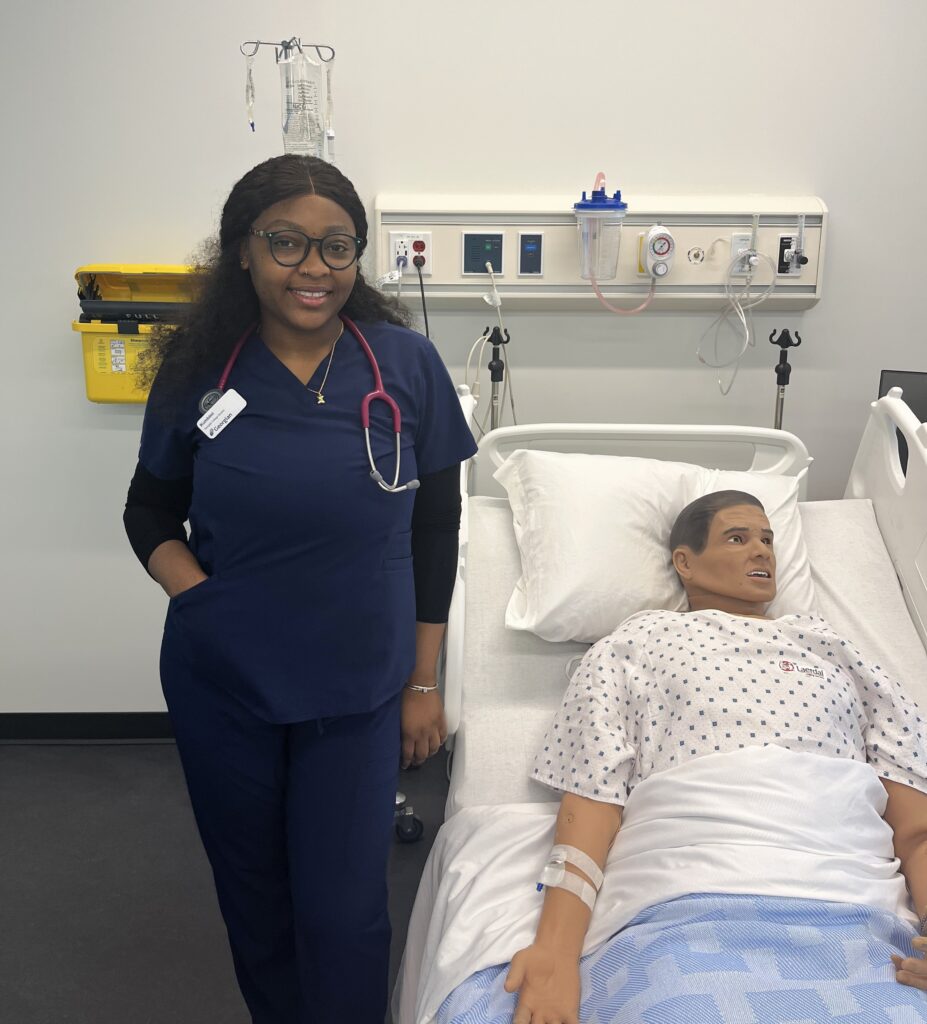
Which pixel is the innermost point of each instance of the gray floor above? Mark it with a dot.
(107, 912)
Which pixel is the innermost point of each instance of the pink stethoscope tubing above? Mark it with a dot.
(379, 393)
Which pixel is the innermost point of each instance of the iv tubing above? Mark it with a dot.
(742, 306)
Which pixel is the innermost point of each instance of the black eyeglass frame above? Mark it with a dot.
(360, 243)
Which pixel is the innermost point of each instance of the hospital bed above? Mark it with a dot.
(868, 557)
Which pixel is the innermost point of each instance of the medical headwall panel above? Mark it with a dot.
(533, 245)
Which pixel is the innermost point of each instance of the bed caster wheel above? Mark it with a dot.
(409, 829)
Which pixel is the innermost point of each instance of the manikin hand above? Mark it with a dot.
(547, 983)
(912, 970)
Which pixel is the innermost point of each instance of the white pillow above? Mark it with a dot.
(593, 535)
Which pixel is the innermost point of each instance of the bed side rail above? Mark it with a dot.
(899, 499)
(760, 449)
(456, 618)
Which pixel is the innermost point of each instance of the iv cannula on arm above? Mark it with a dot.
(546, 974)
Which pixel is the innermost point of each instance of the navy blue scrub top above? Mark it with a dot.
(309, 609)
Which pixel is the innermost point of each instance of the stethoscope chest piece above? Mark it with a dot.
(209, 399)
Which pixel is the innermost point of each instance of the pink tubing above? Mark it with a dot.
(625, 312)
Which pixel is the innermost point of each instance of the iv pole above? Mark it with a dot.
(783, 368)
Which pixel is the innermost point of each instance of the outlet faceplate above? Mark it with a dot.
(403, 243)
(740, 240)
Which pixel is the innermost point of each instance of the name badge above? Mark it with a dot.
(221, 414)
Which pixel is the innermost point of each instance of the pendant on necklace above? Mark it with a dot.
(320, 400)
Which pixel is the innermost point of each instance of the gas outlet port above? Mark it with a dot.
(788, 265)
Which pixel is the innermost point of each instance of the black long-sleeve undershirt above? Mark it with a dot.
(156, 511)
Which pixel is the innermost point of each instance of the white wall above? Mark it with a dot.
(124, 128)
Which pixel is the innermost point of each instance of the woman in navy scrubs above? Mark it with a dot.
(307, 605)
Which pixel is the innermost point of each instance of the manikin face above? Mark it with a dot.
(303, 300)
(736, 572)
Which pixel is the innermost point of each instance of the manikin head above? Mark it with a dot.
(722, 549)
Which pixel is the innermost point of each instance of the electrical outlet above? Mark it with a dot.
(740, 240)
(409, 244)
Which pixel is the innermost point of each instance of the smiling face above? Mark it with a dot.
(736, 570)
(299, 305)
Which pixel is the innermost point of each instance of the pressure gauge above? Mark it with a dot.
(658, 250)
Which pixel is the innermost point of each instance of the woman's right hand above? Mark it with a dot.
(547, 983)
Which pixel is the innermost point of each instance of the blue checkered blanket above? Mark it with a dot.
(717, 959)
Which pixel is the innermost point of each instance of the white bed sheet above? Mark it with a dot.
(514, 681)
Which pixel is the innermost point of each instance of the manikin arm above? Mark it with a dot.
(906, 812)
(546, 974)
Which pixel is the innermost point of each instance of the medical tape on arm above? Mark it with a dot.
(556, 876)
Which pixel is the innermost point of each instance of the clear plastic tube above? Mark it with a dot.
(330, 112)
(301, 97)
(249, 89)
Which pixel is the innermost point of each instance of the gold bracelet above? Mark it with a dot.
(421, 689)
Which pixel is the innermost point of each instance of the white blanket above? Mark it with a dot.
(761, 821)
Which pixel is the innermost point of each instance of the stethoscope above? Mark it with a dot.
(379, 393)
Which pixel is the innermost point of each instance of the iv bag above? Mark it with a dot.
(302, 88)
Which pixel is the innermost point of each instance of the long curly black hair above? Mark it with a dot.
(225, 303)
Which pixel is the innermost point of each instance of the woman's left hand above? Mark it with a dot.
(913, 970)
(424, 727)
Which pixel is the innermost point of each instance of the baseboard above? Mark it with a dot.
(117, 726)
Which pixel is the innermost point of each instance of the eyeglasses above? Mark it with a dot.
(289, 248)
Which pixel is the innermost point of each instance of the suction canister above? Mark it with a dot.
(598, 220)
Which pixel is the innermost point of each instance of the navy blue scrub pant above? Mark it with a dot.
(296, 821)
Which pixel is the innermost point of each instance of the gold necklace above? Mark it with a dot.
(320, 398)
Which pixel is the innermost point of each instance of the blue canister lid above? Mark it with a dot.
(600, 201)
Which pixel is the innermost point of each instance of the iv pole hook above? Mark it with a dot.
(251, 47)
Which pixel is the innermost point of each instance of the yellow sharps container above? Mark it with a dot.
(121, 304)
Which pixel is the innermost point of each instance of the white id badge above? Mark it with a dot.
(221, 414)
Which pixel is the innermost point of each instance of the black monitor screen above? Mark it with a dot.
(913, 384)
